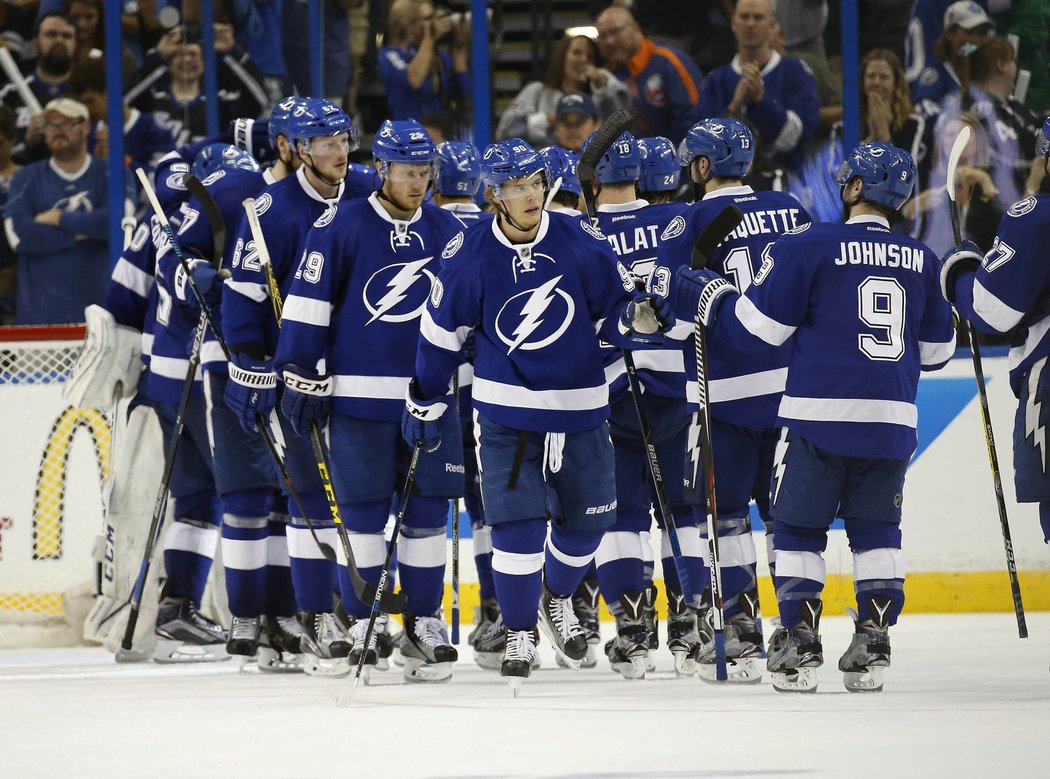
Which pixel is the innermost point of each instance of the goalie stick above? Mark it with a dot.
(392, 603)
(978, 369)
(721, 226)
(610, 130)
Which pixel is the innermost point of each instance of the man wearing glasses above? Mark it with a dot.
(56, 221)
(664, 81)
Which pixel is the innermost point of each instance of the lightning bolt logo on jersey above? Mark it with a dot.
(538, 322)
(354, 313)
(399, 292)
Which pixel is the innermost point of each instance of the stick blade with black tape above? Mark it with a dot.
(721, 226)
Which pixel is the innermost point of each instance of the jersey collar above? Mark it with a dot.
(540, 235)
(70, 176)
(774, 60)
(308, 188)
(373, 199)
(462, 208)
(743, 189)
(619, 208)
(869, 219)
(640, 59)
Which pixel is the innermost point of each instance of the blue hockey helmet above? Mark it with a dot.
(621, 163)
(563, 163)
(660, 169)
(458, 169)
(511, 159)
(405, 141)
(728, 145)
(222, 156)
(278, 123)
(1043, 147)
(320, 118)
(888, 173)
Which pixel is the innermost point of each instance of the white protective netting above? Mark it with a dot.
(52, 468)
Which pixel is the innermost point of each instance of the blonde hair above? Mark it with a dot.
(399, 21)
(900, 103)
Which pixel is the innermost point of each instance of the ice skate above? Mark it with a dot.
(559, 623)
(243, 642)
(628, 653)
(520, 658)
(325, 646)
(795, 653)
(585, 605)
(652, 623)
(279, 645)
(426, 649)
(868, 655)
(683, 638)
(368, 658)
(184, 635)
(490, 646)
(743, 647)
(485, 616)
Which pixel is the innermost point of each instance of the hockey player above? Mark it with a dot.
(322, 137)
(457, 180)
(745, 386)
(536, 287)
(346, 349)
(865, 313)
(566, 193)
(660, 170)
(633, 228)
(1005, 289)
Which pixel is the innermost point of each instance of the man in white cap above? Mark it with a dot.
(931, 54)
(56, 221)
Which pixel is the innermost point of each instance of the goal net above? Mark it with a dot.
(52, 468)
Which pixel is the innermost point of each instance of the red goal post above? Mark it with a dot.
(52, 472)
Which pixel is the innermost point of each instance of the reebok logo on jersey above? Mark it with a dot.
(263, 203)
(398, 292)
(535, 318)
(453, 246)
(674, 228)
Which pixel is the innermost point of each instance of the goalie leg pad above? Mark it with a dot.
(109, 364)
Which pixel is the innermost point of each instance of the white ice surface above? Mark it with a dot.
(964, 698)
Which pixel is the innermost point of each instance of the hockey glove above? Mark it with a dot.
(422, 419)
(208, 281)
(645, 320)
(962, 259)
(698, 294)
(307, 399)
(251, 390)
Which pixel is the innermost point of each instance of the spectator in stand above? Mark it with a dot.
(965, 25)
(54, 44)
(171, 83)
(336, 64)
(573, 70)
(418, 78)
(7, 254)
(1005, 135)
(802, 24)
(1029, 20)
(57, 221)
(145, 140)
(663, 80)
(88, 17)
(775, 95)
(575, 118)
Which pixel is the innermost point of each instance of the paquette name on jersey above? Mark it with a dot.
(883, 255)
(769, 222)
(535, 318)
(398, 292)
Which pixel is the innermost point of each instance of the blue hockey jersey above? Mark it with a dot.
(468, 213)
(1012, 287)
(744, 386)
(634, 231)
(864, 311)
(535, 309)
(286, 210)
(131, 296)
(355, 300)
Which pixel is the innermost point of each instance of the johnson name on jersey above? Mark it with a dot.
(355, 300)
(535, 309)
(744, 386)
(864, 310)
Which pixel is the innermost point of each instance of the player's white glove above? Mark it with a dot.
(964, 258)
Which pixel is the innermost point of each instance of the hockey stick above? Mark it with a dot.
(263, 252)
(978, 369)
(362, 589)
(610, 130)
(346, 694)
(721, 226)
(455, 535)
(392, 603)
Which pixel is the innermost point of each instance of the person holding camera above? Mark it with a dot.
(420, 79)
